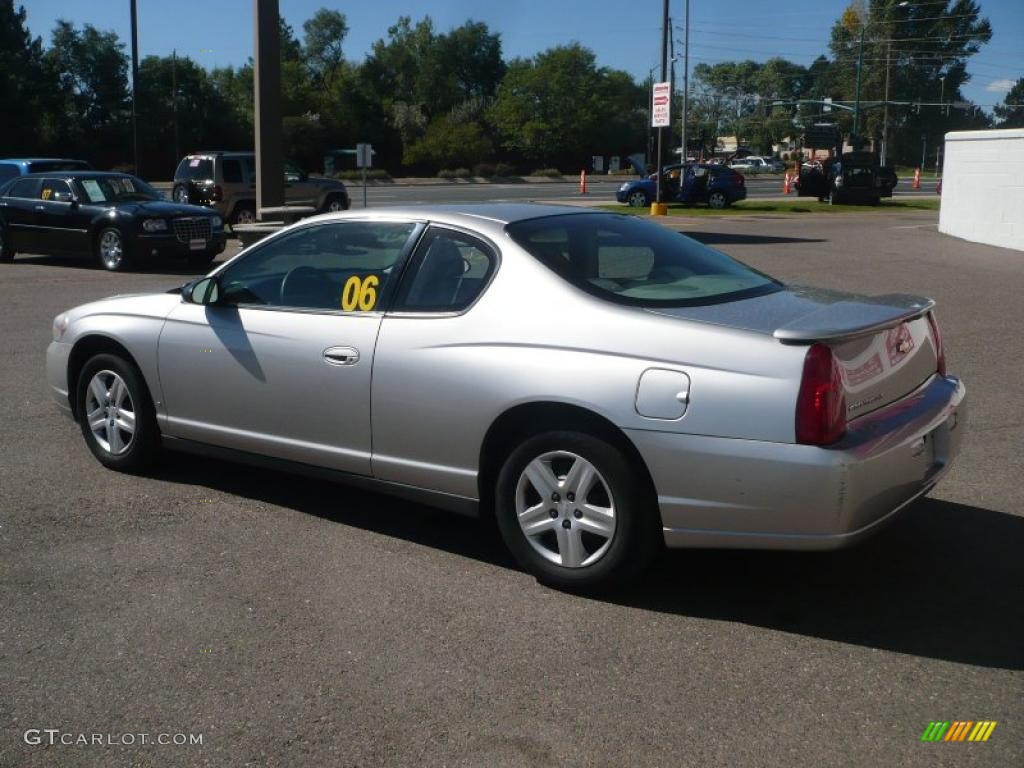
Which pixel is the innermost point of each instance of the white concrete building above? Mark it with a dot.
(983, 187)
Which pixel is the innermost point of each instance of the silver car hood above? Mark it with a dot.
(801, 314)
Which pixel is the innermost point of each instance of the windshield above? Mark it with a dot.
(116, 189)
(630, 261)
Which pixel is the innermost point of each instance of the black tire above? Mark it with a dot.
(144, 445)
(6, 252)
(243, 211)
(718, 200)
(638, 198)
(180, 194)
(637, 536)
(334, 203)
(104, 239)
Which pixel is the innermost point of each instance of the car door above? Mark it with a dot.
(424, 367)
(298, 190)
(62, 229)
(18, 210)
(281, 364)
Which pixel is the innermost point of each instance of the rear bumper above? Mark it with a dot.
(719, 492)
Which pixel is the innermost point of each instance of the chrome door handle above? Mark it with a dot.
(341, 356)
(40, 207)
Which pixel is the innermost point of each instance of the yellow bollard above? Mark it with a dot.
(659, 209)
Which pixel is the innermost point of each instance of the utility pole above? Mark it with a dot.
(135, 87)
(664, 65)
(174, 102)
(860, 64)
(885, 106)
(686, 79)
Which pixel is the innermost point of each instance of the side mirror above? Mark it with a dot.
(205, 290)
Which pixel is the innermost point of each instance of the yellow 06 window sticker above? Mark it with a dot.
(360, 293)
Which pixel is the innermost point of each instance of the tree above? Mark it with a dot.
(1011, 111)
(26, 86)
(325, 33)
(559, 107)
(91, 72)
(924, 47)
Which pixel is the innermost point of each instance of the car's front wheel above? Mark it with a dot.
(112, 250)
(244, 213)
(116, 413)
(574, 512)
(334, 203)
(638, 199)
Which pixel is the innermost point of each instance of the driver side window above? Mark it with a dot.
(344, 266)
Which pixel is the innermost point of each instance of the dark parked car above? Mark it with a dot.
(855, 178)
(114, 217)
(715, 185)
(22, 166)
(227, 181)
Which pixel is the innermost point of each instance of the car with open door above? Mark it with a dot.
(600, 384)
(115, 218)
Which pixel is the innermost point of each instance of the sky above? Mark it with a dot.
(622, 35)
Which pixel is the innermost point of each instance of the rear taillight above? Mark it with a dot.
(821, 404)
(940, 350)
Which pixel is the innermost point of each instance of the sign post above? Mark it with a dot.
(661, 106)
(364, 160)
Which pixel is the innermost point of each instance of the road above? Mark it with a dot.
(293, 622)
(397, 194)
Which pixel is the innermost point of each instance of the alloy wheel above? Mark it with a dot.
(111, 249)
(565, 509)
(246, 216)
(335, 205)
(717, 200)
(110, 412)
(638, 200)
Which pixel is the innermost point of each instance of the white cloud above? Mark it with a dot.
(1000, 86)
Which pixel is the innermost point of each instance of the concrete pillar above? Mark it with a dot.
(267, 103)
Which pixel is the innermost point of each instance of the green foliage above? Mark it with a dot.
(25, 89)
(560, 107)
(448, 142)
(1012, 116)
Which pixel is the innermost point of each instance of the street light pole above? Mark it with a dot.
(860, 64)
(135, 87)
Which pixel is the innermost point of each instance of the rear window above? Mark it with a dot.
(195, 167)
(630, 261)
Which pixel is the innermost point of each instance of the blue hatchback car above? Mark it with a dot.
(716, 185)
(22, 166)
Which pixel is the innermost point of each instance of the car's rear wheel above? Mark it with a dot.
(718, 200)
(638, 199)
(6, 252)
(116, 413)
(244, 213)
(112, 250)
(573, 511)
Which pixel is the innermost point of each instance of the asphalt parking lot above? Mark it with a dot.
(295, 622)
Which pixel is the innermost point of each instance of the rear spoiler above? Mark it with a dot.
(852, 318)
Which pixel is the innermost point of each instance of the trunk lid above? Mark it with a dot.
(884, 344)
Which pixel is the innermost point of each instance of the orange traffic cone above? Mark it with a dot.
(785, 184)
(917, 179)
(583, 181)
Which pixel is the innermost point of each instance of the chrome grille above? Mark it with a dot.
(198, 228)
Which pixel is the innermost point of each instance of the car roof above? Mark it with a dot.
(40, 160)
(466, 214)
(74, 174)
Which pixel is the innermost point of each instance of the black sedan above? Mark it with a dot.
(115, 217)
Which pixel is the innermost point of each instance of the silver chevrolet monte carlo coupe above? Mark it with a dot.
(599, 383)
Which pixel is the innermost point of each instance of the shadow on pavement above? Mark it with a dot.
(944, 581)
(732, 238)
